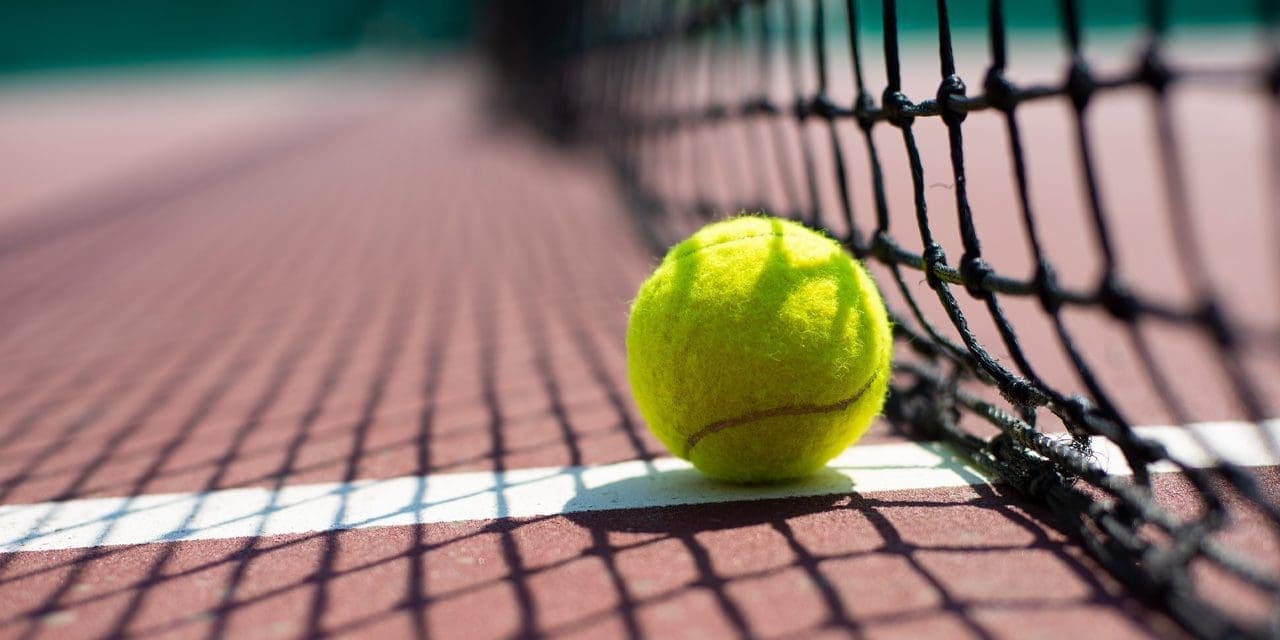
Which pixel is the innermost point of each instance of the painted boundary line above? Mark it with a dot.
(439, 498)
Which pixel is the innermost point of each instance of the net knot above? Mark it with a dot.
(1000, 92)
(934, 258)
(1020, 392)
(975, 271)
(1030, 473)
(801, 109)
(1154, 72)
(1047, 288)
(1118, 300)
(1080, 84)
(952, 87)
(757, 106)
(881, 245)
(1216, 321)
(822, 106)
(897, 107)
(1077, 409)
(864, 110)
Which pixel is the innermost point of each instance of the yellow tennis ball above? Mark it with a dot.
(758, 350)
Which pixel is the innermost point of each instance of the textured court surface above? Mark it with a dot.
(265, 283)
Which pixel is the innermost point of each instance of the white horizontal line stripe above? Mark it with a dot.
(234, 513)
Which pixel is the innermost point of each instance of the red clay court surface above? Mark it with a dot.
(252, 283)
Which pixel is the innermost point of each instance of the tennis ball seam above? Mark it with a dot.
(681, 256)
(785, 410)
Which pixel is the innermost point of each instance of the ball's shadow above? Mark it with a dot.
(664, 501)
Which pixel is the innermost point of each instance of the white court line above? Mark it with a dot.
(452, 497)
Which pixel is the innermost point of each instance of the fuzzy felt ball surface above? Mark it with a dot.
(758, 350)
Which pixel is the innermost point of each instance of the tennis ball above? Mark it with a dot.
(758, 350)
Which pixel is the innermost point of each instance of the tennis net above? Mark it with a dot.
(863, 120)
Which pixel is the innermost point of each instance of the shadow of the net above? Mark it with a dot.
(844, 550)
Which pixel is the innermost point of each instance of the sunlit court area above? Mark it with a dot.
(640, 318)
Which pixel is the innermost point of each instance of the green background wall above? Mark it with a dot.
(44, 34)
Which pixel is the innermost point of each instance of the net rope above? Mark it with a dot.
(644, 78)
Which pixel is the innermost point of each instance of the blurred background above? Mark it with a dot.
(46, 35)
(68, 34)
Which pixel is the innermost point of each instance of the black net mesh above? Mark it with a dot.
(813, 109)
